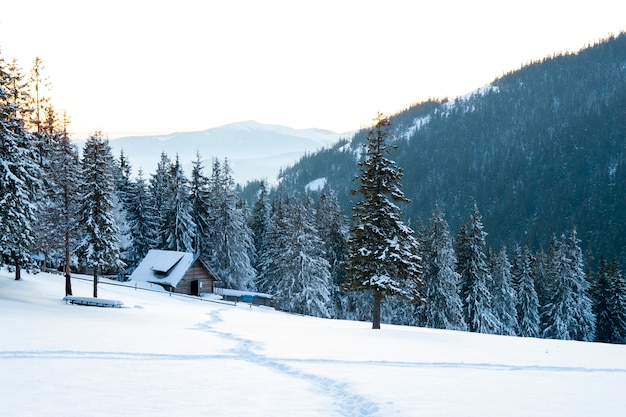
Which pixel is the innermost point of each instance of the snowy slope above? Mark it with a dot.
(175, 356)
(255, 150)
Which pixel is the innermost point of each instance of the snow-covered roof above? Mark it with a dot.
(163, 267)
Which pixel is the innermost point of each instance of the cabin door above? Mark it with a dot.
(194, 288)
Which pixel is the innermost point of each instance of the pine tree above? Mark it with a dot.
(504, 296)
(528, 322)
(179, 229)
(123, 189)
(610, 303)
(332, 227)
(443, 309)
(276, 241)
(230, 242)
(382, 252)
(20, 174)
(64, 177)
(475, 277)
(303, 274)
(161, 200)
(568, 314)
(199, 199)
(141, 221)
(260, 223)
(99, 245)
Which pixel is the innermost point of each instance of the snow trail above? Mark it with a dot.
(348, 403)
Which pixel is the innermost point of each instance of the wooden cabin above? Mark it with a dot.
(179, 272)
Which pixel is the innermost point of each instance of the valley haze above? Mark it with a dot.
(254, 150)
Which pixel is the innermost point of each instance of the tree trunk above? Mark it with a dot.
(95, 282)
(18, 272)
(68, 272)
(376, 312)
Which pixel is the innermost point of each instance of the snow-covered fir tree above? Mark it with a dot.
(141, 221)
(179, 230)
(20, 173)
(98, 246)
(277, 235)
(528, 323)
(303, 278)
(568, 314)
(332, 226)
(260, 223)
(475, 277)
(123, 188)
(610, 303)
(443, 309)
(160, 197)
(230, 242)
(63, 179)
(200, 205)
(383, 255)
(504, 296)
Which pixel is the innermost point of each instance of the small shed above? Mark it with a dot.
(179, 272)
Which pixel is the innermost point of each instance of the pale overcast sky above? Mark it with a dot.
(156, 66)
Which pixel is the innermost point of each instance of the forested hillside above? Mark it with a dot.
(540, 150)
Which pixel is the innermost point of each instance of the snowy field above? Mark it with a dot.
(177, 356)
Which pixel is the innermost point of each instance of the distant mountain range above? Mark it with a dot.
(254, 150)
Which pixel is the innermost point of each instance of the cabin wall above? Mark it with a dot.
(197, 272)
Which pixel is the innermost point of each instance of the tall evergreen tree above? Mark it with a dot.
(199, 199)
(64, 177)
(141, 221)
(303, 274)
(260, 223)
(610, 303)
(332, 227)
(99, 245)
(568, 314)
(382, 251)
(231, 242)
(122, 170)
(276, 241)
(20, 173)
(475, 277)
(528, 323)
(179, 229)
(161, 199)
(443, 309)
(504, 296)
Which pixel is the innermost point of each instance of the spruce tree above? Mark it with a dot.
(99, 244)
(332, 227)
(609, 292)
(199, 199)
(528, 323)
(64, 178)
(504, 296)
(230, 242)
(179, 229)
(475, 277)
(161, 200)
(260, 224)
(20, 173)
(443, 309)
(568, 314)
(303, 278)
(382, 251)
(141, 220)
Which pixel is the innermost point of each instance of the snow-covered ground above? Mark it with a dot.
(166, 355)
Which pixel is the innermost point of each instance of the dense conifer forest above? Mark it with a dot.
(540, 150)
